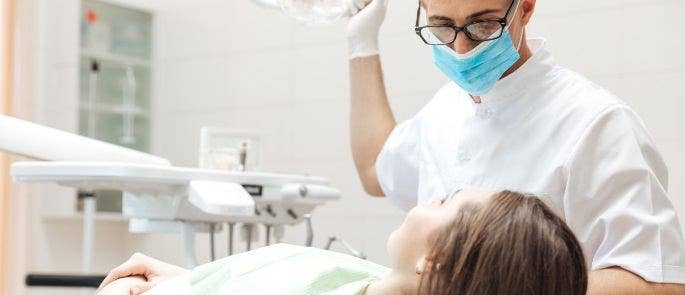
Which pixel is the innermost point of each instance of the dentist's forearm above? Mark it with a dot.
(616, 280)
(371, 119)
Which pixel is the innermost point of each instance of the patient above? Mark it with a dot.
(473, 242)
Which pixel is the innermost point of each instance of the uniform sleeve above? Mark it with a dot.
(397, 165)
(616, 200)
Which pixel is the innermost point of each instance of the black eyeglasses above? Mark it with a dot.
(479, 31)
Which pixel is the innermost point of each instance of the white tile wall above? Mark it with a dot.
(232, 64)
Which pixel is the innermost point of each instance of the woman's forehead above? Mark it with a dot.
(474, 194)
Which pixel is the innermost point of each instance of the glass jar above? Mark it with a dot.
(229, 150)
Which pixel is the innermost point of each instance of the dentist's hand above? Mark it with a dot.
(153, 270)
(364, 26)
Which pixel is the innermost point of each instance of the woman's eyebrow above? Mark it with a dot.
(450, 197)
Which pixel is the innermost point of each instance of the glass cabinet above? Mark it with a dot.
(115, 79)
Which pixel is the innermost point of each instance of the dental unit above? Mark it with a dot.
(159, 197)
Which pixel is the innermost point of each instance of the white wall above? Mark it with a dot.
(229, 63)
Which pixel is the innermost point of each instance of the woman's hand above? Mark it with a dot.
(121, 286)
(152, 269)
(364, 26)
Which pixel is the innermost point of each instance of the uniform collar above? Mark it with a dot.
(513, 86)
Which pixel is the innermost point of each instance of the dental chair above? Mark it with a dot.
(159, 197)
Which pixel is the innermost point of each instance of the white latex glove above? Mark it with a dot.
(365, 22)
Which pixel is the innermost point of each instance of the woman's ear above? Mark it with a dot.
(425, 265)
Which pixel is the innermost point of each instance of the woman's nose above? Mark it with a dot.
(434, 201)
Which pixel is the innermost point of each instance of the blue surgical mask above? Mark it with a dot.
(478, 70)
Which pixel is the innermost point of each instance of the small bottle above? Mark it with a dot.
(243, 157)
(98, 33)
(317, 11)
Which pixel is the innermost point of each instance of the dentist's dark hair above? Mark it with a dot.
(511, 244)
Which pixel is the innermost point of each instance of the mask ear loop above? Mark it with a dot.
(520, 39)
(516, 10)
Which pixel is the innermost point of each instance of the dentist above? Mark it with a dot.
(511, 117)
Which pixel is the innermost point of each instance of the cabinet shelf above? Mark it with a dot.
(116, 109)
(115, 58)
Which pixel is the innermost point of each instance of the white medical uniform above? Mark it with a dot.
(549, 131)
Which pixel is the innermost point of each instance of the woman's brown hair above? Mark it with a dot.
(511, 244)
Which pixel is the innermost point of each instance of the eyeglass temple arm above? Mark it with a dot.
(506, 16)
(418, 14)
